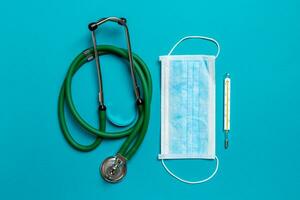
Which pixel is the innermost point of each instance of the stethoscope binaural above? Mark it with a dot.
(113, 169)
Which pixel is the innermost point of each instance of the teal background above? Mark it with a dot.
(260, 43)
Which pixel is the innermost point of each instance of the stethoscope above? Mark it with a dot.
(114, 168)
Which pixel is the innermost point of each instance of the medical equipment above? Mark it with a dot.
(226, 108)
(113, 168)
(188, 107)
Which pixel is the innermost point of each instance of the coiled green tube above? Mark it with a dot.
(135, 134)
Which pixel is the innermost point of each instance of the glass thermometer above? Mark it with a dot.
(226, 108)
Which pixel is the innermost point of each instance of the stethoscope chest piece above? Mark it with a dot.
(113, 168)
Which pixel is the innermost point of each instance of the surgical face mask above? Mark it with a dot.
(188, 107)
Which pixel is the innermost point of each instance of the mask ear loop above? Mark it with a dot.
(192, 182)
(197, 37)
(216, 158)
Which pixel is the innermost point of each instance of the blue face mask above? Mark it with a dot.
(188, 107)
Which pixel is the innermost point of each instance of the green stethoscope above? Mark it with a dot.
(113, 168)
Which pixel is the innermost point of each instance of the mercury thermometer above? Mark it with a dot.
(226, 108)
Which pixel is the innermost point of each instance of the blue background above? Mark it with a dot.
(260, 43)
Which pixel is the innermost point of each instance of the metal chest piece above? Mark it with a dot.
(113, 168)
